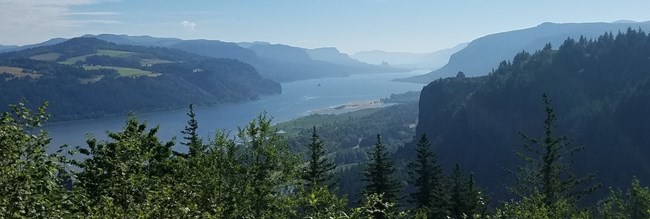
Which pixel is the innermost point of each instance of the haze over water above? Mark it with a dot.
(297, 99)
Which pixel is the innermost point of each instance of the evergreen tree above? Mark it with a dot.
(379, 174)
(269, 172)
(547, 171)
(193, 141)
(426, 176)
(467, 200)
(318, 171)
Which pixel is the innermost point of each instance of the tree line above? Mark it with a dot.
(254, 174)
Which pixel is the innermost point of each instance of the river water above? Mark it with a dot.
(297, 99)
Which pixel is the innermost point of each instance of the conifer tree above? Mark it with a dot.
(547, 170)
(467, 200)
(318, 171)
(193, 141)
(379, 174)
(426, 176)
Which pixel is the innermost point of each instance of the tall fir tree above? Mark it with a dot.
(192, 139)
(467, 200)
(379, 174)
(548, 166)
(430, 194)
(318, 171)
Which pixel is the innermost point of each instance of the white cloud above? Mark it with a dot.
(31, 21)
(190, 26)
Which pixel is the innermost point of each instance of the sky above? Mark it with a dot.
(349, 25)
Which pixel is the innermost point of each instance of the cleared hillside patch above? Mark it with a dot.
(50, 56)
(124, 72)
(101, 52)
(19, 72)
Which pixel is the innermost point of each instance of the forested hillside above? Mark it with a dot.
(349, 136)
(483, 55)
(281, 63)
(599, 88)
(256, 174)
(86, 77)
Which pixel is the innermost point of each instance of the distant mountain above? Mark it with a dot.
(7, 48)
(484, 54)
(17, 48)
(249, 44)
(433, 60)
(282, 53)
(217, 49)
(333, 55)
(600, 91)
(87, 77)
(277, 62)
(136, 40)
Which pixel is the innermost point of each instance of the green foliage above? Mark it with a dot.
(349, 136)
(430, 193)
(193, 141)
(320, 202)
(600, 87)
(534, 207)
(30, 186)
(466, 200)
(129, 172)
(378, 174)
(252, 175)
(318, 171)
(547, 169)
(92, 87)
(264, 173)
(634, 204)
(375, 206)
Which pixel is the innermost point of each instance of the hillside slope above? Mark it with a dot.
(432, 60)
(281, 63)
(599, 89)
(484, 54)
(86, 77)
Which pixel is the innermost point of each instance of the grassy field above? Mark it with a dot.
(111, 53)
(124, 72)
(150, 62)
(18, 72)
(52, 56)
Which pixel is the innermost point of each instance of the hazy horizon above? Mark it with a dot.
(350, 26)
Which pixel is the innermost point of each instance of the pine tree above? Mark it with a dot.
(458, 206)
(318, 171)
(467, 200)
(379, 174)
(193, 141)
(547, 172)
(426, 176)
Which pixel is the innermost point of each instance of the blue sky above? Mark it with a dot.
(350, 25)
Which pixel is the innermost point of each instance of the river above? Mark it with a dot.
(298, 98)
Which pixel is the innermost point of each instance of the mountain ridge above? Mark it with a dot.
(484, 54)
(87, 78)
(599, 90)
(269, 64)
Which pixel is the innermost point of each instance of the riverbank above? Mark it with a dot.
(349, 107)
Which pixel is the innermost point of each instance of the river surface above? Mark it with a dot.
(297, 99)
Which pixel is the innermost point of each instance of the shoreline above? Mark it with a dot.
(349, 107)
